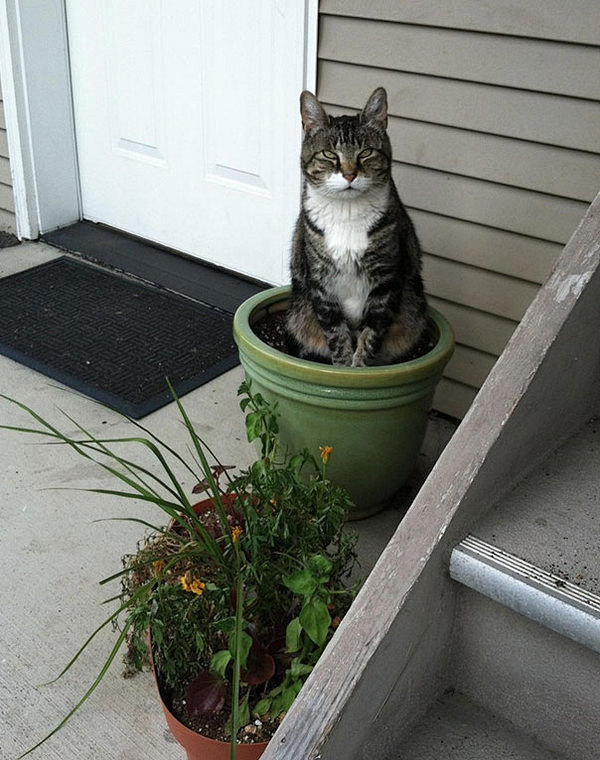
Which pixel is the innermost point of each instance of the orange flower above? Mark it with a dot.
(325, 453)
(193, 585)
(157, 566)
(236, 533)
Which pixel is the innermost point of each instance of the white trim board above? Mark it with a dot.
(38, 106)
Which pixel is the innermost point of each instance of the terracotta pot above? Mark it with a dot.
(198, 747)
(373, 417)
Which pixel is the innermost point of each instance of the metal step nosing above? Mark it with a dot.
(527, 589)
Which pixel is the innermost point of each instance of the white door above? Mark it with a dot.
(187, 123)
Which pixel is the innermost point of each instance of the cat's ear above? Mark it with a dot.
(375, 112)
(313, 114)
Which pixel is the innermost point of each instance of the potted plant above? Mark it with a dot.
(374, 413)
(233, 600)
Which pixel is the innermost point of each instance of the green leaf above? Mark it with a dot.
(157, 635)
(320, 566)
(276, 707)
(296, 463)
(298, 668)
(254, 426)
(315, 620)
(219, 662)
(245, 644)
(263, 707)
(259, 469)
(244, 713)
(293, 635)
(227, 625)
(287, 698)
(302, 583)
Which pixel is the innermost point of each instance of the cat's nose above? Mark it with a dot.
(349, 177)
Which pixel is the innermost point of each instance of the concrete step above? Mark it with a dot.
(552, 518)
(527, 633)
(538, 680)
(456, 728)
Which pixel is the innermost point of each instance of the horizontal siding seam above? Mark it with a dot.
(487, 355)
(533, 59)
(490, 268)
(525, 236)
(463, 79)
(497, 183)
(548, 108)
(451, 379)
(473, 267)
(410, 207)
(470, 130)
(459, 29)
(491, 183)
(510, 323)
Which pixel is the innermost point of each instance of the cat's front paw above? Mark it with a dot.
(358, 360)
(340, 345)
(343, 360)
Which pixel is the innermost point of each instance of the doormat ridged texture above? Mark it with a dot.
(112, 338)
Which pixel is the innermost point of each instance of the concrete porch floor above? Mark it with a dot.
(53, 553)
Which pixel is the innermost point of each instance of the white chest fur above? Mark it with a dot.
(345, 218)
(351, 290)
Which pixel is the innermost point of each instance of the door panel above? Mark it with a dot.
(187, 124)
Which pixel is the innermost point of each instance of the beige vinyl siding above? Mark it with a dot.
(544, 19)
(495, 124)
(7, 204)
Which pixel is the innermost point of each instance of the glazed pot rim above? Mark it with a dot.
(248, 342)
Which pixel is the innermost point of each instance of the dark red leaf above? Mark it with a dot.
(205, 695)
(260, 666)
(201, 487)
(217, 471)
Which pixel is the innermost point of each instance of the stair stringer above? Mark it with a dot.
(388, 660)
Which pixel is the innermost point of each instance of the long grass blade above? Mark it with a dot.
(132, 467)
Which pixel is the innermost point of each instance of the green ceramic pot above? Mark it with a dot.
(373, 417)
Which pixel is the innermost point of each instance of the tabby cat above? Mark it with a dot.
(357, 294)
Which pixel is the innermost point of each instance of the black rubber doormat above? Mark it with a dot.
(112, 338)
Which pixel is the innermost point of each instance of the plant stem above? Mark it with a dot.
(239, 610)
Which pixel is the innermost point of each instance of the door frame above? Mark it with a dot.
(38, 106)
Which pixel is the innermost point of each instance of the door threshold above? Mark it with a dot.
(195, 279)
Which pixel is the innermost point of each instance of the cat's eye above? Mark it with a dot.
(366, 153)
(330, 154)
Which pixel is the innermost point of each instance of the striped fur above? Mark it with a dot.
(357, 294)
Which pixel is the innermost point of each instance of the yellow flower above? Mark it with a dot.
(197, 587)
(325, 453)
(157, 566)
(193, 585)
(236, 533)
